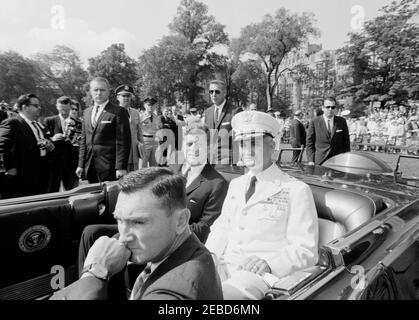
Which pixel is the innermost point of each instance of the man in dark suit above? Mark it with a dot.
(106, 137)
(25, 148)
(297, 134)
(327, 136)
(153, 225)
(63, 162)
(218, 119)
(205, 191)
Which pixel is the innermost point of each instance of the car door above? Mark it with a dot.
(40, 237)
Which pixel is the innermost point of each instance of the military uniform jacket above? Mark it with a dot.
(278, 224)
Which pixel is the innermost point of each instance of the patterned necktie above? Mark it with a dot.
(140, 281)
(94, 123)
(216, 116)
(251, 189)
(39, 137)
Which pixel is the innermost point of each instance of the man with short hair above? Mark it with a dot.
(151, 124)
(218, 119)
(63, 161)
(153, 225)
(25, 148)
(327, 135)
(297, 134)
(125, 95)
(106, 137)
(268, 223)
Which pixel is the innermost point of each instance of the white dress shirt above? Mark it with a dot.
(95, 115)
(220, 110)
(193, 173)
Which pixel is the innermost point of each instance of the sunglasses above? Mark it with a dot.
(330, 107)
(75, 109)
(215, 91)
(124, 95)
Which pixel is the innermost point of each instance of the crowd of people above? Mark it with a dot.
(181, 232)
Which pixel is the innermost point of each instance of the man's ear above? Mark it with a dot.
(182, 220)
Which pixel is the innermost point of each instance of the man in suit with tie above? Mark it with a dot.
(297, 134)
(327, 135)
(205, 190)
(106, 137)
(64, 158)
(154, 231)
(218, 119)
(25, 148)
(268, 226)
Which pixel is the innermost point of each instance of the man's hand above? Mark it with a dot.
(12, 172)
(256, 265)
(111, 254)
(311, 163)
(79, 172)
(57, 137)
(49, 146)
(120, 173)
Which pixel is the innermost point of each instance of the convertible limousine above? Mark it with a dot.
(368, 219)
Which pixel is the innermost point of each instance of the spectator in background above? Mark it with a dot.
(125, 95)
(24, 149)
(63, 160)
(297, 134)
(328, 135)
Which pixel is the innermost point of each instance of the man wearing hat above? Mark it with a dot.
(124, 95)
(268, 225)
(297, 134)
(327, 135)
(150, 123)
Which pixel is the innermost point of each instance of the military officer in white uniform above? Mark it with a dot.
(268, 224)
(151, 124)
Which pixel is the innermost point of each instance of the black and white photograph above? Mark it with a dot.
(226, 152)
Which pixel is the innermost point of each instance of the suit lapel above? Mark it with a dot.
(28, 129)
(197, 182)
(88, 120)
(335, 123)
(58, 124)
(105, 110)
(178, 257)
(221, 117)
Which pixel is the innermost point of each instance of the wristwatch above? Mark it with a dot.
(96, 270)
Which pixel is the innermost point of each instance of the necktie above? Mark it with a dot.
(94, 123)
(39, 137)
(251, 189)
(328, 125)
(185, 174)
(140, 281)
(216, 115)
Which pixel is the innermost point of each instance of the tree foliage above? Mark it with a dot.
(179, 63)
(272, 39)
(384, 57)
(115, 65)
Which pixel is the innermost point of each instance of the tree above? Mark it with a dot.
(185, 58)
(61, 73)
(383, 58)
(18, 75)
(115, 65)
(272, 39)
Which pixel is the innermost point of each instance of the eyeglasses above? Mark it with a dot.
(331, 107)
(215, 91)
(75, 109)
(124, 95)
